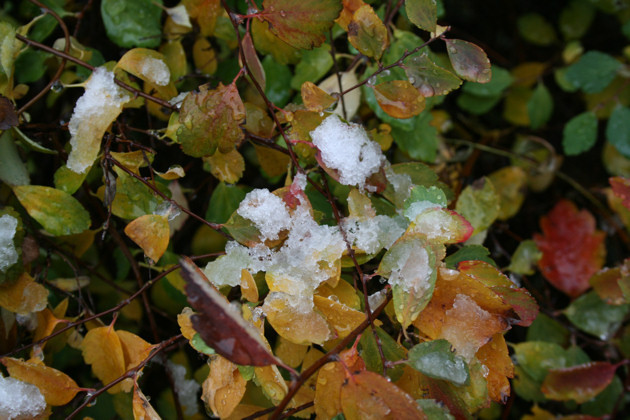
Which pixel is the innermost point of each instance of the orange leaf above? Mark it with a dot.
(57, 387)
(573, 250)
(301, 24)
(151, 233)
(349, 7)
(227, 167)
(316, 99)
(224, 387)
(205, 12)
(399, 98)
(102, 349)
(135, 349)
(369, 395)
(367, 33)
(494, 355)
(249, 290)
(580, 383)
(142, 410)
(329, 381)
(24, 296)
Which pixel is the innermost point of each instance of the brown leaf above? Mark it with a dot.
(368, 395)
(224, 387)
(57, 387)
(8, 116)
(257, 72)
(301, 24)
(580, 383)
(399, 98)
(219, 324)
(151, 233)
(469, 61)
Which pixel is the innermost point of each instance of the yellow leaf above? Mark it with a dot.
(249, 290)
(174, 172)
(290, 353)
(273, 162)
(494, 355)
(271, 382)
(341, 317)
(204, 56)
(226, 167)
(135, 349)
(293, 324)
(57, 387)
(142, 410)
(71, 284)
(224, 388)
(316, 99)
(367, 33)
(24, 296)
(148, 65)
(510, 183)
(185, 324)
(102, 349)
(344, 293)
(151, 233)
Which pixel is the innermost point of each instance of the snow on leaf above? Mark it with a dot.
(422, 13)
(211, 119)
(316, 99)
(579, 383)
(429, 78)
(20, 400)
(151, 233)
(367, 33)
(220, 325)
(23, 296)
(573, 249)
(56, 387)
(102, 349)
(142, 409)
(399, 99)
(301, 24)
(469, 61)
(8, 252)
(57, 211)
(369, 395)
(441, 225)
(224, 387)
(146, 64)
(99, 106)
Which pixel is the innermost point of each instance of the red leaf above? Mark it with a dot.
(579, 383)
(621, 188)
(301, 24)
(521, 301)
(573, 250)
(218, 323)
(8, 116)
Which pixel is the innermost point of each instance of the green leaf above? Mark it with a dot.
(618, 130)
(198, 344)
(580, 133)
(525, 258)
(575, 19)
(224, 201)
(133, 23)
(468, 60)
(372, 356)
(67, 180)
(429, 78)
(420, 143)
(247, 372)
(277, 89)
(313, 66)
(422, 13)
(477, 105)
(479, 203)
(537, 357)
(12, 169)
(301, 24)
(593, 72)
(57, 211)
(431, 196)
(539, 106)
(30, 65)
(469, 253)
(501, 80)
(535, 29)
(547, 329)
(434, 410)
(436, 360)
(592, 315)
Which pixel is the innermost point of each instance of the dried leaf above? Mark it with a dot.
(211, 119)
(220, 325)
(573, 249)
(226, 167)
(224, 387)
(57, 387)
(24, 296)
(151, 233)
(142, 409)
(301, 24)
(102, 349)
(429, 78)
(368, 395)
(8, 116)
(469, 61)
(579, 383)
(399, 98)
(367, 33)
(316, 99)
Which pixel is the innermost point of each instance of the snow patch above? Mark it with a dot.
(267, 211)
(226, 270)
(8, 253)
(373, 234)
(20, 400)
(466, 341)
(186, 389)
(413, 273)
(347, 149)
(156, 71)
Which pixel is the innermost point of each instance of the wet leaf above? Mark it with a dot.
(580, 133)
(210, 119)
(224, 387)
(205, 12)
(422, 13)
(479, 203)
(148, 65)
(495, 356)
(316, 99)
(618, 128)
(132, 23)
(142, 409)
(579, 383)
(23, 296)
(301, 24)
(573, 250)
(204, 56)
(272, 383)
(468, 60)
(257, 72)
(369, 395)
(391, 350)
(436, 360)
(399, 98)
(226, 167)
(468, 253)
(220, 325)
(294, 323)
(313, 66)
(510, 184)
(340, 317)
(429, 78)
(102, 349)
(593, 72)
(539, 106)
(151, 233)
(367, 33)
(591, 314)
(266, 42)
(57, 387)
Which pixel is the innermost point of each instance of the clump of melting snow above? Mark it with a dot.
(419, 207)
(8, 253)
(401, 183)
(267, 211)
(464, 326)
(373, 234)
(376, 299)
(347, 149)
(186, 389)
(413, 273)
(156, 71)
(20, 400)
(96, 109)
